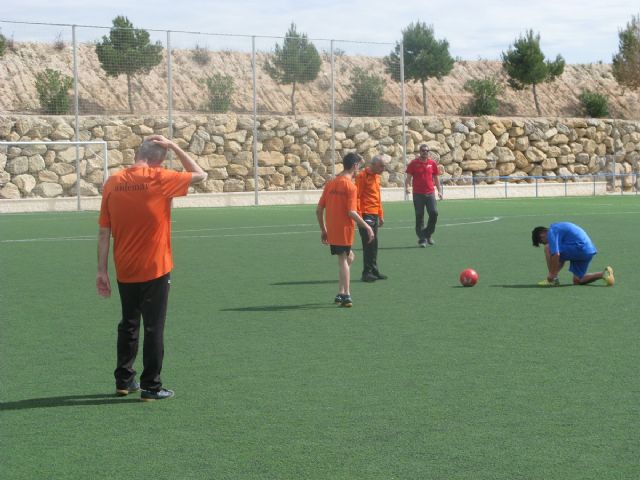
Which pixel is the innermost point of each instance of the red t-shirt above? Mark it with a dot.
(423, 174)
(136, 206)
(339, 197)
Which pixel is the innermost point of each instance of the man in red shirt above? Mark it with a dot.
(136, 211)
(339, 199)
(370, 209)
(422, 172)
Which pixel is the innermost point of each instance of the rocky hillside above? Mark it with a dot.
(100, 94)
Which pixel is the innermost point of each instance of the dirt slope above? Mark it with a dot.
(100, 94)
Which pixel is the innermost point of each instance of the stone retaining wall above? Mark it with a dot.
(296, 154)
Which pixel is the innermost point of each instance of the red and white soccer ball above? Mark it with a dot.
(468, 277)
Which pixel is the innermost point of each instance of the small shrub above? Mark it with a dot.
(200, 55)
(485, 93)
(58, 43)
(367, 91)
(594, 104)
(53, 91)
(220, 88)
(3, 44)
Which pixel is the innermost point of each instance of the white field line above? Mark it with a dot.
(180, 233)
(268, 234)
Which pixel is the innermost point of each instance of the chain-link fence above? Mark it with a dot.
(299, 105)
(122, 69)
(293, 90)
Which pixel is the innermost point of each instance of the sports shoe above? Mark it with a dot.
(151, 395)
(369, 277)
(338, 298)
(133, 387)
(380, 276)
(430, 241)
(607, 276)
(547, 283)
(422, 243)
(346, 301)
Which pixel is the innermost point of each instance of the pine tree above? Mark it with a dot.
(626, 63)
(525, 65)
(424, 58)
(127, 50)
(297, 61)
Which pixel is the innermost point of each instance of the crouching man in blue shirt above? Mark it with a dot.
(564, 241)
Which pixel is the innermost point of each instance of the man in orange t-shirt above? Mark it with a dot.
(370, 209)
(339, 199)
(136, 211)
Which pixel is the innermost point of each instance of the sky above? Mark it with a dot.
(582, 32)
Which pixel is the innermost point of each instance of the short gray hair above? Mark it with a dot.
(151, 152)
(377, 159)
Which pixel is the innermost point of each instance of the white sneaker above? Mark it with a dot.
(607, 276)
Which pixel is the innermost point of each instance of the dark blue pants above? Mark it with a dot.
(420, 202)
(146, 301)
(370, 250)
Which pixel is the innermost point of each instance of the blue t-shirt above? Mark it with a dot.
(571, 241)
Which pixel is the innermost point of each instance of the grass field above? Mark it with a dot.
(421, 379)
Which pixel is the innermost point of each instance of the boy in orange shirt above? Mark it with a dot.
(136, 211)
(339, 199)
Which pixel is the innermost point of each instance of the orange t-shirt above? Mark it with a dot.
(339, 197)
(369, 201)
(136, 206)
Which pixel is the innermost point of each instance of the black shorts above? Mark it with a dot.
(340, 249)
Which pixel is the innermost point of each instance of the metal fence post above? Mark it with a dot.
(105, 156)
(76, 104)
(333, 112)
(622, 177)
(404, 123)
(170, 87)
(255, 119)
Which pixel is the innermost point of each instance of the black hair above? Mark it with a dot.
(535, 235)
(349, 160)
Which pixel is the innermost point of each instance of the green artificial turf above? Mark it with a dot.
(421, 379)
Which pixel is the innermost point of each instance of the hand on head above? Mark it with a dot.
(159, 140)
